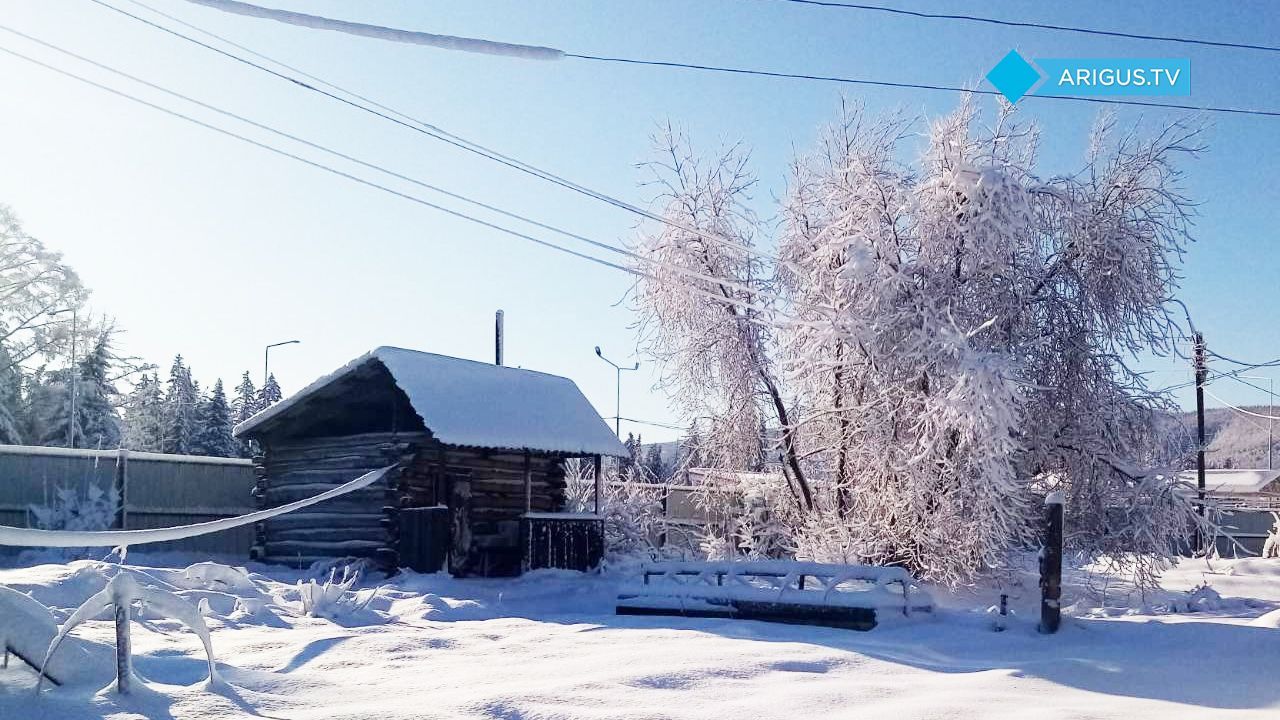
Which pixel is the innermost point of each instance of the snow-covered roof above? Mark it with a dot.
(475, 404)
(1233, 482)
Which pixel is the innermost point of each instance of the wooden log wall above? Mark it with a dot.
(485, 491)
(348, 526)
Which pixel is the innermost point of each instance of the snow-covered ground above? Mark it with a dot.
(549, 646)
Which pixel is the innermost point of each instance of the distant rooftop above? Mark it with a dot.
(1235, 481)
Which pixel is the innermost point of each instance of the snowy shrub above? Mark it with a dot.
(68, 509)
(631, 509)
(1271, 547)
(123, 592)
(333, 597)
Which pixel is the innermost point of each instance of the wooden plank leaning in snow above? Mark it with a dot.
(848, 596)
(27, 537)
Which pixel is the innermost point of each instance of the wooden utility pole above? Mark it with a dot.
(1201, 372)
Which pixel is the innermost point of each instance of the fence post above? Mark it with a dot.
(1051, 565)
(122, 488)
(124, 669)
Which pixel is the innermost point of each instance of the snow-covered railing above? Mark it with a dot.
(845, 595)
(28, 537)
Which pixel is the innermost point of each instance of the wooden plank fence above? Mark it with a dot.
(156, 490)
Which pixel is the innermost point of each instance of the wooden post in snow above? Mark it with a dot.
(1051, 565)
(124, 670)
(122, 488)
(597, 484)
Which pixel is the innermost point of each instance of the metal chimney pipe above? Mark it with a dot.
(497, 338)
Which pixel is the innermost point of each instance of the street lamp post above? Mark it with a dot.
(266, 358)
(1271, 411)
(617, 418)
(71, 422)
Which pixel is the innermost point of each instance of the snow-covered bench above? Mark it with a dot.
(849, 596)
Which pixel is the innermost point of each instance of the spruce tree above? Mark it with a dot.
(270, 393)
(180, 402)
(243, 407)
(97, 423)
(144, 415)
(213, 426)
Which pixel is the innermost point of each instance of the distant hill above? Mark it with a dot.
(1234, 439)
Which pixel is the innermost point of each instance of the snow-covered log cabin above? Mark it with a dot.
(479, 482)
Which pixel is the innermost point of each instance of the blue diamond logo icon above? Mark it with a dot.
(1014, 76)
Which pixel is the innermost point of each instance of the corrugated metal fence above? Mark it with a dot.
(156, 490)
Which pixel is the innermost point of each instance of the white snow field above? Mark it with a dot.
(549, 646)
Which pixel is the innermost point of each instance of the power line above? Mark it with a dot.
(524, 167)
(720, 297)
(421, 126)
(318, 165)
(915, 86)
(1248, 365)
(1038, 26)
(1240, 409)
(434, 188)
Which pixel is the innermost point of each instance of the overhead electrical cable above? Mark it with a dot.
(435, 188)
(721, 297)
(1037, 25)
(421, 126)
(1239, 409)
(800, 76)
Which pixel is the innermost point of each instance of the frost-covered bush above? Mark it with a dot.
(1271, 546)
(631, 508)
(121, 594)
(333, 597)
(70, 509)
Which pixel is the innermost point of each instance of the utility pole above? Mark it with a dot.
(1201, 372)
(617, 418)
(74, 371)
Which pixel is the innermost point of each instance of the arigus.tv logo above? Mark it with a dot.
(1016, 77)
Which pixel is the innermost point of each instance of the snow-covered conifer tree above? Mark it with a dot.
(213, 425)
(243, 407)
(181, 399)
(270, 393)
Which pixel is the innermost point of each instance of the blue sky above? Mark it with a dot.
(202, 245)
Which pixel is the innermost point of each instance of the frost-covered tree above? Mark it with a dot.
(699, 305)
(654, 465)
(11, 401)
(144, 412)
(97, 418)
(34, 283)
(180, 402)
(270, 393)
(213, 426)
(949, 335)
(243, 407)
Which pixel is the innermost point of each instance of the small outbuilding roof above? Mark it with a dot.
(1233, 481)
(470, 404)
